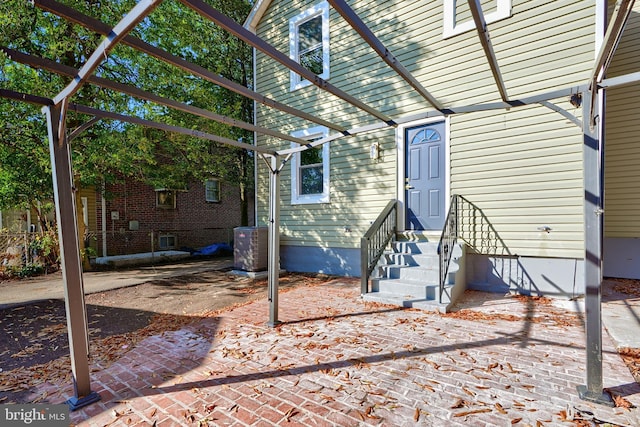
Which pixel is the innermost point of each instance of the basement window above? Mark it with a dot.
(309, 43)
(458, 18)
(167, 241)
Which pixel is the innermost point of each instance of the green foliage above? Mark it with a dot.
(27, 270)
(111, 151)
(45, 246)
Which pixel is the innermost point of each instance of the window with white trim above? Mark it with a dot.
(212, 190)
(310, 169)
(458, 18)
(309, 43)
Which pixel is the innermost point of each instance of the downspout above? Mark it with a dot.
(255, 142)
(103, 204)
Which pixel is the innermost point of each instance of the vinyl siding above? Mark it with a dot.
(522, 167)
(622, 140)
(523, 173)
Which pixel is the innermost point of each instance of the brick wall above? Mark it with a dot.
(194, 222)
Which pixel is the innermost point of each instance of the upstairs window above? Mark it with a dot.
(165, 199)
(458, 18)
(212, 190)
(309, 43)
(310, 170)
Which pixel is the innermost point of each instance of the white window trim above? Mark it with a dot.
(320, 9)
(206, 183)
(296, 197)
(452, 28)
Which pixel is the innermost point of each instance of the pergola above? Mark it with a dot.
(56, 109)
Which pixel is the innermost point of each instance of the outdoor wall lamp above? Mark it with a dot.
(374, 151)
(545, 228)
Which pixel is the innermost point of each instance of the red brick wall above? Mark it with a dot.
(194, 222)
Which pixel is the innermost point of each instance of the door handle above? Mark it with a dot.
(409, 187)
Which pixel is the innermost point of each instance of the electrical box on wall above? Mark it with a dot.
(115, 215)
(134, 225)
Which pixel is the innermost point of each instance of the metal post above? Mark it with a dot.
(63, 191)
(274, 240)
(593, 230)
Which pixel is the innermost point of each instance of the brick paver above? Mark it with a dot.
(337, 361)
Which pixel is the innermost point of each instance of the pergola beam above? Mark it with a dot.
(83, 109)
(99, 27)
(49, 65)
(126, 24)
(612, 36)
(247, 36)
(485, 41)
(165, 127)
(491, 106)
(626, 79)
(367, 35)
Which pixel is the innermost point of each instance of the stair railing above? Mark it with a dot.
(374, 242)
(448, 239)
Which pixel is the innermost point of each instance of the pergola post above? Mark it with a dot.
(593, 155)
(274, 240)
(63, 191)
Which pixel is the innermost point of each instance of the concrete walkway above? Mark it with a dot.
(338, 361)
(51, 287)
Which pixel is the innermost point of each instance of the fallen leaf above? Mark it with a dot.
(290, 413)
(475, 411)
(500, 408)
(416, 415)
(457, 404)
(469, 392)
(516, 420)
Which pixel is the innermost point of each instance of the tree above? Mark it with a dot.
(110, 151)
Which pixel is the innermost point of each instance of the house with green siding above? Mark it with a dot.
(495, 137)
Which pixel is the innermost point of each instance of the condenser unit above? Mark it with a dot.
(250, 248)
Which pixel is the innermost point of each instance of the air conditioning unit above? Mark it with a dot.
(250, 248)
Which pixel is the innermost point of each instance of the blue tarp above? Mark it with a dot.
(215, 249)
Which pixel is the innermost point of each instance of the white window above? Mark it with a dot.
(310, 169)
(458, 18)
(212, 190)
(309, 43)
(165, 199)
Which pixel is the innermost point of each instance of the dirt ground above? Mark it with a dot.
(34, 344)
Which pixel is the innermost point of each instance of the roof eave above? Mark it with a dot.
(256, 14)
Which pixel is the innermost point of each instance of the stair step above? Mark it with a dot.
(405, 288)
(418, 273)
(419, 247)
(393, 299)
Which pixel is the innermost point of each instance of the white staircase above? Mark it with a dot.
(408, 276)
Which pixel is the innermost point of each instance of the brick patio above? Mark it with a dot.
(338, 361)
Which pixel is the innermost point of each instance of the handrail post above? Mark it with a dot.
(385, 224)
(364, 265)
